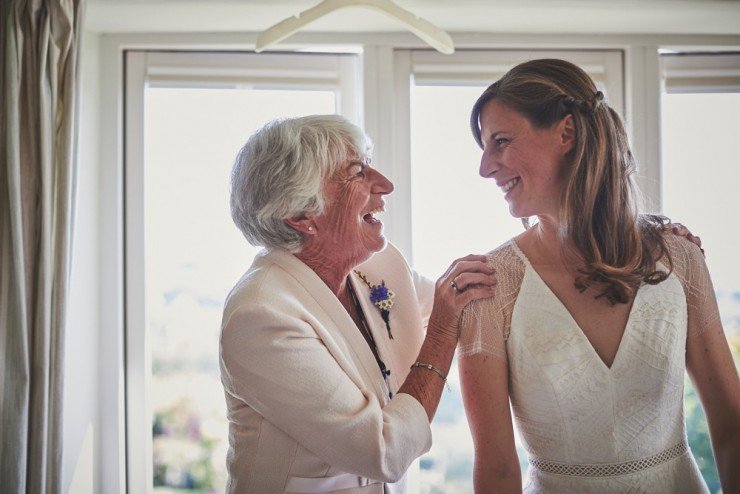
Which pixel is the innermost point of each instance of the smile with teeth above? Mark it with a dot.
(510, 185)
(370, 217)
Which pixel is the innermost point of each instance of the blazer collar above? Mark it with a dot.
(341, 320)
(373, 319)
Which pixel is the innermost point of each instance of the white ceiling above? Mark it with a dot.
(479, 16)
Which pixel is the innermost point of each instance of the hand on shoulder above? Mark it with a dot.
(681, 230)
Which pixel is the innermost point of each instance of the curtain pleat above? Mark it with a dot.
(39, 94)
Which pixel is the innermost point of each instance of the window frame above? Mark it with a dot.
(700, 72)
(690, 71)
(105, 93)
(315, 71)
(465, 66)
(143, 68)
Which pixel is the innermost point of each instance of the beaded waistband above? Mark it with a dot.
(609, 469)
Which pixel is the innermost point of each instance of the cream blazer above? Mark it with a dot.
(308, 408)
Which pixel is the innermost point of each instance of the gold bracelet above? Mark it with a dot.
(433, 369)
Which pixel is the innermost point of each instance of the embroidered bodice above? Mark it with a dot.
(588, 427)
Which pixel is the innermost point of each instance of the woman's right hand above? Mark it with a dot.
(468, 278)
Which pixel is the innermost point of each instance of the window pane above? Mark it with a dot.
(194, 255)
(700, 176)
(455, 212)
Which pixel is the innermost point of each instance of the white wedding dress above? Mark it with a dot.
(588, 427)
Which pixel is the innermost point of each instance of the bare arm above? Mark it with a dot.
(712, 370)
(710, 366)
(486, 397)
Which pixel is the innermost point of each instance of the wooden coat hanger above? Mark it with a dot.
(431, 34)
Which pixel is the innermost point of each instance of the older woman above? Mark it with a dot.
(597, 311)
(330, 379)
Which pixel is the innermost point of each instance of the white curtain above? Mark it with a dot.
(39, 57)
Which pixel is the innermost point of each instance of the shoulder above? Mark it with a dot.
(486, 323)
(507, 260)
(684, 259)
(679, 246)
(390, 256)
(509, 264)
(260, 316)
(389, 265)
(657, 231)
(267, 293)
(504, 251)
(683, 253)
(659, 227)
(264, 279)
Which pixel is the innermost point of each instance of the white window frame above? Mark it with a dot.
(479, 67)
(687, 70)
(700, 72)
(144, 69)
(314, 71)
(105, 64)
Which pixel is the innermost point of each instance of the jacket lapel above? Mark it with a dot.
(375, 321)
(405, 316)
(337, 330)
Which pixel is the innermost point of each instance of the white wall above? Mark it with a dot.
(81, 395)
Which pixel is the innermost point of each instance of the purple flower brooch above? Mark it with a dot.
(382, 298)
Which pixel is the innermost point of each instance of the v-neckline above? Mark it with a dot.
(578, 327)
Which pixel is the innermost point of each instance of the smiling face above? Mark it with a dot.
(527, 163)
(348, 227)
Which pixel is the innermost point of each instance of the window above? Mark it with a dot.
(700, 109)
(188, 113)
(193, 114)
(434, 94)
(455, 212)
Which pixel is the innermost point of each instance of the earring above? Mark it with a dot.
(310, 228)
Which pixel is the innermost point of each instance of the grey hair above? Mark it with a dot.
(280, 172)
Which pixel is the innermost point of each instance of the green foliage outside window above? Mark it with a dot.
(701, 447)
(696, 426)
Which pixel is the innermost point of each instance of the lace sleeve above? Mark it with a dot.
(485, 324)
(690, 268)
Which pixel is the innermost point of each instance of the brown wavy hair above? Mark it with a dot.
(618, 247)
